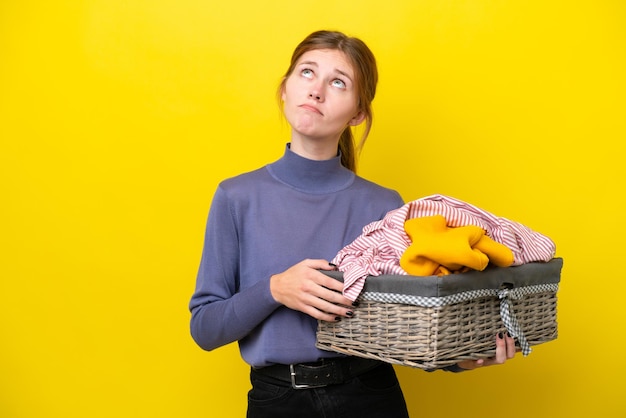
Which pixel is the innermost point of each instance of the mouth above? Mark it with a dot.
(311, 108)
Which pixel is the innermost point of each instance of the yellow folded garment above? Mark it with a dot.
(437, 249)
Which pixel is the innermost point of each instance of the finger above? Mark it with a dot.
(319, 264)
(332, 308)
(336, 298)
(331, 290)
(320, 308)
(330, 301)
(501, 349)
(329, 283)
(510, 346)
(321, 278)
(321, 315)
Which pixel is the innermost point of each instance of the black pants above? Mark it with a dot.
(373, 394)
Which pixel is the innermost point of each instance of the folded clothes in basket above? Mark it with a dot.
(379, 248)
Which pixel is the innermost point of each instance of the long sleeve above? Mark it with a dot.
(221, 311)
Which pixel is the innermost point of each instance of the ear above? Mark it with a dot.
(357, 119)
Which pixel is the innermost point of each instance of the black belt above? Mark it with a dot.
(319, 374)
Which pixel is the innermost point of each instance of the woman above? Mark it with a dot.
(271, 231)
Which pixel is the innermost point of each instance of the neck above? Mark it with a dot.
(315, 149)
(311, 176)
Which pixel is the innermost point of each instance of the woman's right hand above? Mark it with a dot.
(303, 288)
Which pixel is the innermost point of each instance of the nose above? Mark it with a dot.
(316, 93)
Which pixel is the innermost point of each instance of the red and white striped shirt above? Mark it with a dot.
(379, 248)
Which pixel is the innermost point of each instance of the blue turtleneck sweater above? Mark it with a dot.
(260, 224)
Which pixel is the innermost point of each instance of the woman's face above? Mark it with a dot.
(320, 97)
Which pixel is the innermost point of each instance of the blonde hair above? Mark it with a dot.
(366, 79)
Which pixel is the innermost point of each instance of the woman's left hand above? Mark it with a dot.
(505, 350)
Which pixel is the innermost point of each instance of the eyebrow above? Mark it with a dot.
(313, 63)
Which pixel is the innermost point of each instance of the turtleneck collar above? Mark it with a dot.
(311, 176)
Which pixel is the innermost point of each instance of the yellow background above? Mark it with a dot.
(118, 119)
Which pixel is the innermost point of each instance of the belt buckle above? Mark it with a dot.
(292, 373)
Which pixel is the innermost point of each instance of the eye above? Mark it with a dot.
(307, 72)
(339, 83)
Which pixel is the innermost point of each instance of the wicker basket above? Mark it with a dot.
(432, 322)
